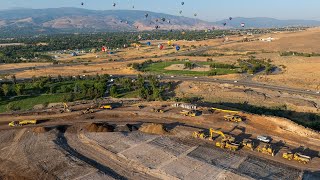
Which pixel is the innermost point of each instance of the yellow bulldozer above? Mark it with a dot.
(247, 143)
(106, 107)
(199, 135)
(266, 149)
(87, 111)
(233, 118)
(297, 157)
(157, 110)
(191, 113)
(22, 123)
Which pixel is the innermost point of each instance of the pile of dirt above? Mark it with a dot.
(153, 129)
(40, 129)
(99, 127)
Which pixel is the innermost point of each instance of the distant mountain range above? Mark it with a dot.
(56, 20)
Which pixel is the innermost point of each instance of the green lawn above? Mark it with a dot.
(159, 68)
(28, 102)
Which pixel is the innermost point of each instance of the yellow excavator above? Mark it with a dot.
(266, 149)
(297, 157)
(199, 135)
(233, 118)
(65, 108)
(22, 123)
(191, 113)
(227, 142)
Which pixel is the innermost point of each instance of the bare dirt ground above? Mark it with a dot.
(62, 147)
(238, 94)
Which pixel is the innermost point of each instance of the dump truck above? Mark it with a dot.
(297, 157)
(247, 143)
(157, 110)
(106, 107)
(22, 123)
(266, 149)
(191, 113)
(87, 111)
(233, 118)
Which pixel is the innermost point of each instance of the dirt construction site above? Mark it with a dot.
(133, 141)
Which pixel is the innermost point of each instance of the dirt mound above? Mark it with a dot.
(99, 127)
(153, 129)
(40, 129)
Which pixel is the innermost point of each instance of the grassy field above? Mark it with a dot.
(159, 68)
(28, 102)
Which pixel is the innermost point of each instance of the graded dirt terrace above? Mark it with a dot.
(69, 146)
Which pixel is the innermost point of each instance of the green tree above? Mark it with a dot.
(18, 88)
(113, 91)
(5, 89)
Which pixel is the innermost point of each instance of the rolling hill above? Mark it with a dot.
(57, 20)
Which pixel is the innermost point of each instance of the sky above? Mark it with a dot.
(210, 10)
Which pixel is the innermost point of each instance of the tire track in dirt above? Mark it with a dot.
(62, 142)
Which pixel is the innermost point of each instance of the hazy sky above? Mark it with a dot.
(206, 9)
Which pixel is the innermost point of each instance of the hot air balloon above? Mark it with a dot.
(163, 19)
(177, 48)
(182, 3)
(157, 27)
(195, 14)
(224, 24)
(82, 4)
(114, 4)
(243, 24)
(148, 43)
(169, 43)
(230, 18)
(160, 46)
(146, 15)
(180, 12)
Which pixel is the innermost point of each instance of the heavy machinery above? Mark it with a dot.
(227, 142)
(157, 110)
(65, 108)
(223, 110)
(199, 135)
(297, 157)
(233, 118)
(22, 123)
(106, 107)
(87, 111)
(191, 113)
(247, 143)
(266, 149)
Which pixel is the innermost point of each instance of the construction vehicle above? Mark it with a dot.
(199, 135)
(296, 156)
(87, 111)
(266, 149)
(227, 142)
(65, 108)
(223, 110)
(22, 123)
(247, 143)
(157, 110)
(191, 113)
(233, 118)
(106, 107)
